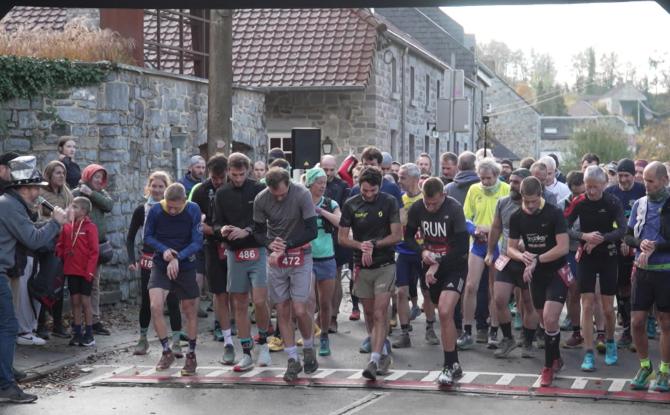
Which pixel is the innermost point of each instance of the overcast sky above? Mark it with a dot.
(634, 30)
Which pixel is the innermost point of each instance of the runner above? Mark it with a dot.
(544, 233)
(444, 251)
(479, 207)
(425, 163)
(506, 168)
(323, 250)
(216, 269)
(154, 190)
(539, 170)
(173, 228)
(247, 259)
(597, 257)
(649, 232)
(285, 222)
(509, 273)
(628, 191)
(260, 168)
(448, 165)
(408, 264)
(195, 173)
(374, 219)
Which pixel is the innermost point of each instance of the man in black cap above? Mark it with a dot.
(5, 172)
(17, 226)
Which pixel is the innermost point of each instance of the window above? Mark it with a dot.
(411, 83)
(394, 144)
(412, 153)
(394, 75)
(426, 144)
(427, 91)
(436, 163)
(551, 130)
(283, 141)
(439, 90)
(457, 146)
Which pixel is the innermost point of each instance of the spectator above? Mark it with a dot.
(5, 172)
(195, 173)
(539, 171)
(67, 148)
(93, 183)
(371, 156)
(589, 159)
(506, 170)
(449, 166)
(559, 175)
(345, 172)
(612, 178)
(466, 177)
(395, 167)
(276, 153)
(425, 164)
(526, 163)
(639, 169)
(260, 168)
(554, 186)
(387, 162)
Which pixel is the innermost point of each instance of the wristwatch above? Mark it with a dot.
(374, 243)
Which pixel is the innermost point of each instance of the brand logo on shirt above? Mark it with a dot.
(434, 229)
(361, 215)
(537, 241)
(380, 214)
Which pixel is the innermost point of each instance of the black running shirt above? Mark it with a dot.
(538, 232)
(599, 216)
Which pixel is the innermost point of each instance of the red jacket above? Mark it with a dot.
(81, 259)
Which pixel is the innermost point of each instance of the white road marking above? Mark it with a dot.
(105, 375)
(216, 373)
(253, 372)
(397, 374)
(617, 385)
(148, 372)
(468, 377)
(357, 375)
(324, 373)
(505, 379)
(431, 376)
(579, 383)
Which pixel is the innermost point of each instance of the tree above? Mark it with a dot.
(607, 142)
(610, 74)
(507, 63)
(653, 143)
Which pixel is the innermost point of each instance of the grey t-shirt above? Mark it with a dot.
(505, 208)
(285, 218)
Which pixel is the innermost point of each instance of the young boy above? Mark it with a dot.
(78, 248)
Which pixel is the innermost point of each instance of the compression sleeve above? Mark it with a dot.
(308, 233)
(411, 228)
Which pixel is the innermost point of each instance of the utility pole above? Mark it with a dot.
(220, 92)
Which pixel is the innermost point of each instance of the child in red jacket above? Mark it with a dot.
(78, 247)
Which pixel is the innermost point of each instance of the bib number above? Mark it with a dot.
(438, 250)
(147, 261)
(247, 254)
(566, 275)
(221, 251)
(293, 258)
(579, 253)
(501, 262)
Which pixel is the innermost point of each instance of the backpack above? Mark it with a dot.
(328, 206)
(46, 280)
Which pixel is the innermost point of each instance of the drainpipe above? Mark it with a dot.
(402, 105)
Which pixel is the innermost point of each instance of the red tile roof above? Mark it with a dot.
(273, 48)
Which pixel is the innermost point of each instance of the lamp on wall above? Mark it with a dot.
(433, 131)
(177, 140)
(327, 146)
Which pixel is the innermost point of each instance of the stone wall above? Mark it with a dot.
(518, 125)
(125, 124)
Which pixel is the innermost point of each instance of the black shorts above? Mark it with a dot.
(625, 271)
(591, 268)
(200, 262)
(79, 285)
(547, 286)
(450, 278)
(185, 287)
(649, 288)
(216, 269)
(512, 274)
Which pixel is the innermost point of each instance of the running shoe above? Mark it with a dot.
(384, 367)
(60, 331)
(588, 365)
(573, 342)
(228, 354)
(355, 315)
(176, 349)
(492, 342)
(75, 340)
(87, 340)
(446, 377)
(370, 371)
(611, 354)
(324, 347)
(264, 358)
(403, 341)
(431, 337)
(642, 378)
(166, 360)
(651, 327)
(141, 347)
(100, 330)
(190, 365)
(546, 377)
(366, 347)
(233, 328)
(293, 369)
(14, 394)
(30, 339)
(625, 341)
(309, 359)
(505, 346)
(558, 364)
(465, 342)
(245, 364)
(528, 351)
(42, 332)
(414, 312)
(276, 344)
(218, 335)
(600, 343)
(662, 382)
(482, 336)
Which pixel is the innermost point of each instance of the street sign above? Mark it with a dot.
(443, 115)
(462, 114)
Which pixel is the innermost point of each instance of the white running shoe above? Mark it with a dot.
(264, 358)
(30, 339)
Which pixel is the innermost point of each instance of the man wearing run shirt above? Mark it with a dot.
(374, 219)
(543, 230)
(246, 258)
(444, 251)
(285, 223)
(628, 191)
(597, 257)
(509, 273)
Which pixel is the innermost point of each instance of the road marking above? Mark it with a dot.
(356, 375)
(360, 404)
(537, 382)
(468, 377)
(397, 374)
(579, 383)
(148, 372)
(105, 375)
(431, 376)
(323, 373)
(617, 385)
(505, 379)
(216, 373)
(253, 372)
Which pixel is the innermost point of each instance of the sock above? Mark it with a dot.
(610, 341)
(600, 332)
(262, 336)
(404, 328)
(528, 335)
(664, 367)
(89, 331)
(77, 329)
(589, 351)
(144, 331)
(228, 336)
(494, 330)
(577, 330)
(645, 363)
(506, 330)
(324, 335)
(468, 329)
(450, 358)
(246, 346)
(292, 353)
(374, 357)
(164, 343)
(191, 345)
(308, 343)
(429, 324)
(551, 341)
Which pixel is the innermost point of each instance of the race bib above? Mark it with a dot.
(501, 262)
(247, 254)
(293, 258)
(147, 261)
(566, 275)
(221, 250)
(579, 253)
(439, 250)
